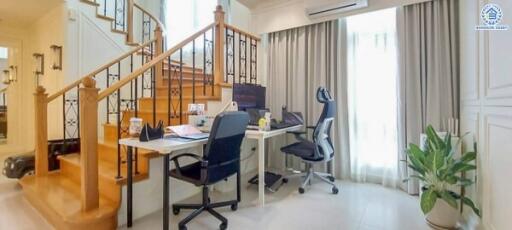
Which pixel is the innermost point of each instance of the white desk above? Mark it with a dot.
(167, 146)
(260, 137)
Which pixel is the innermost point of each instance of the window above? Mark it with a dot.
(372, 90)
(185, 17)
(3, 53)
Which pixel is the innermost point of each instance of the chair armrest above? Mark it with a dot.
(298, 135)
(175, 159)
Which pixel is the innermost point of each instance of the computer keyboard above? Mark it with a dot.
(280, 125)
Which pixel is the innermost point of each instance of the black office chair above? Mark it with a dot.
(318, 151)
(221, 159)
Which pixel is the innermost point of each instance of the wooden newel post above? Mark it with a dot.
(129, 20)
(218, 68)
(89, 192)
(159, 43)
(41, 131)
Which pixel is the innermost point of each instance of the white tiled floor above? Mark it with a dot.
(357, 206)
(15, 211)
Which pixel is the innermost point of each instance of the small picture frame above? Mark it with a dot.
(196, 109)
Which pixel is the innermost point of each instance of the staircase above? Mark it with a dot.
(122, 16)
(86, 192)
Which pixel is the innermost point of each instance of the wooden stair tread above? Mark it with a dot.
(107, 170)
(119, 31)
(190, 85)
(185, 97)
(105, 17)
(173, 62)
(132, 44)
(92, 3)
(62, 196)
(142, 152)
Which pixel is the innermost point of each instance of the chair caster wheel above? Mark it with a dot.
(334, 190)
(183, 228)
(176, 211)
(285, 180)
(223, 226)
(234, 207)
(301, 190)
(331, 178)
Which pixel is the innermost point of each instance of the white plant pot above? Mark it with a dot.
(443, 216)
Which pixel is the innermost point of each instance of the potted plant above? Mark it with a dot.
(440, 171)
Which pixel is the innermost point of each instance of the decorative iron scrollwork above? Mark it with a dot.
(242, 59)
(253, 61)
(230, 55)
(71, 116)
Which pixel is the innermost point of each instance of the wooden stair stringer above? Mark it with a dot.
(111, 21)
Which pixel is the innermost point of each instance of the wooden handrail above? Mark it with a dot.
(240, 31)
(125, 80)
(99, 70)
(151, 16)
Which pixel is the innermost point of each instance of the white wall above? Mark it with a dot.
(87, 44)
(46, 31)
(239, 16)
(286, 14)
(486, 94)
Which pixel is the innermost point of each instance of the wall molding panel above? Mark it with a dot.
(486, 112)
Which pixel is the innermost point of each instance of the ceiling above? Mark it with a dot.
(24, 12)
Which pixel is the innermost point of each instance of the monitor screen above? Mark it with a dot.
(249, 96)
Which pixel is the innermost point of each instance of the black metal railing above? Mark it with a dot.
(123, 102)
(241, 57)
(114, 106)
(117, 11)
(189, 67)
(158, 92)
(143, 23)
(166, 83)
(70, 114)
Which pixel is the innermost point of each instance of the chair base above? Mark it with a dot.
(308, 176)
(204, 206)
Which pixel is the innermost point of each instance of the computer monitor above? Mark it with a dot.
(249, 96)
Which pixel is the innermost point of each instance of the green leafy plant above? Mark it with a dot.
(438, 169)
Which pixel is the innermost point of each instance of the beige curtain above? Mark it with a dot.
(429, 75)
(300, 60)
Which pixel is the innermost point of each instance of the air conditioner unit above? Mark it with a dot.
(334, 7)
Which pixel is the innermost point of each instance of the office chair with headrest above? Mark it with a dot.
(321, 149)
(220, 160)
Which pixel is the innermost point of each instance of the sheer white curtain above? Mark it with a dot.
(372, 97)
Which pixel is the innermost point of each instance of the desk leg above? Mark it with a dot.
(166, 193)
(129, 186)
(261, 171)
